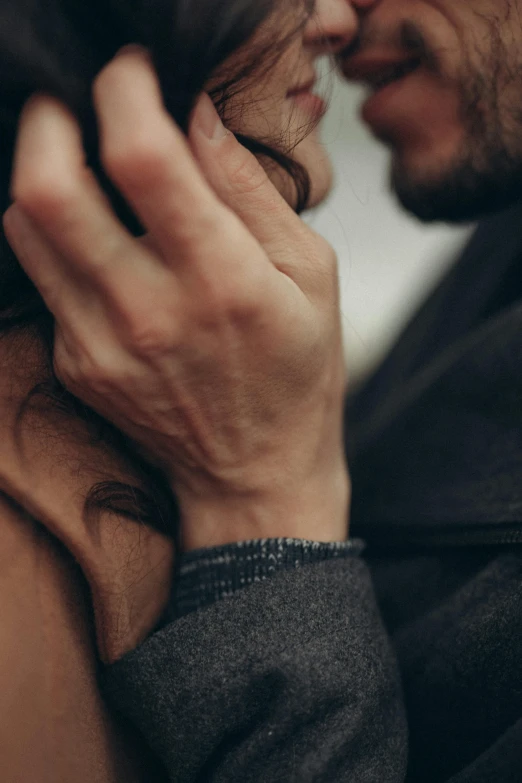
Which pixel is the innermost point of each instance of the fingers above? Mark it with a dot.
(63, 230)
(241, 182)
(207, 206)
(40, 261)
(244, 187)
(53, 186)
(145, 154)
(148, 157)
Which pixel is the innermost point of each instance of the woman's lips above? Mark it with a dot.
(307, 101)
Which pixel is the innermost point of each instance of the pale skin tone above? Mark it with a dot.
(214, 341)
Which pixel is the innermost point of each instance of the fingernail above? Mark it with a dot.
(207, 118)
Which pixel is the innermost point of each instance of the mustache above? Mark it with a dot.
(407, 38)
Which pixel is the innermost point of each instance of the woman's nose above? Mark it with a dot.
(334, 24)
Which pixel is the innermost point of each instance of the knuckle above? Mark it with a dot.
(236, 302)
(45, 193)
(86, 375)
(325, 255)
(243, 312)
(198, 237)
(149, 338)
(246, 173)
(95, 379)
(140, 158)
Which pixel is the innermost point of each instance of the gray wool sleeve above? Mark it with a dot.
(290, 679)
(207, 575)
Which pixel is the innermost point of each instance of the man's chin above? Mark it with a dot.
(460, 195)
(432, 204)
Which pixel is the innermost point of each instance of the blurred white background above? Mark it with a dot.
(388, 260)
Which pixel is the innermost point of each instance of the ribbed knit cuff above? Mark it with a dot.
(208, 575)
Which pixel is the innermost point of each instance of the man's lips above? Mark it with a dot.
(379, 71)
(394, 90)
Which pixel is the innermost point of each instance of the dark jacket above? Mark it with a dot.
(288, 661)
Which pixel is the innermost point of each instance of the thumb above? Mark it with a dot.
(241, 183)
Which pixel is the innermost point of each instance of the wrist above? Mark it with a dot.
(317, 510)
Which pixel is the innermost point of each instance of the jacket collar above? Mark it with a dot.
(435, 436)
(48, 463)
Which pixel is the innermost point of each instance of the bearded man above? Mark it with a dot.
(285, 655)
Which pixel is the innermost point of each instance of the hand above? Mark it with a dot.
(214, 341)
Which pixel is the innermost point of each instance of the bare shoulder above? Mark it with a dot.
(53, 721)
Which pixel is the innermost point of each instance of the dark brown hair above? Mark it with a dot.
(58, 47)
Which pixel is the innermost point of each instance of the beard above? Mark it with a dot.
(463, 192)
(485, 174)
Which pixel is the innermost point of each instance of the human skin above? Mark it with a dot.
(270, 106)
(453, 124)
(214, 341)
